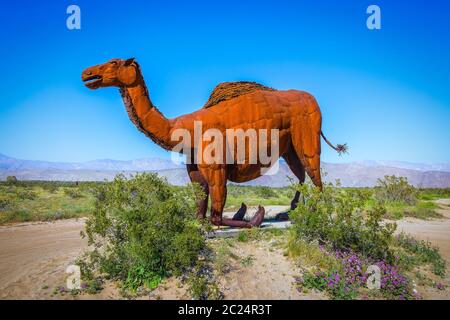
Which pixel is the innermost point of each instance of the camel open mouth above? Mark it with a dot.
(93, 82)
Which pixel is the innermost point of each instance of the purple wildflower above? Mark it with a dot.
(440, 286)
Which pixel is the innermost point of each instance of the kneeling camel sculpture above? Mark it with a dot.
(243, 105)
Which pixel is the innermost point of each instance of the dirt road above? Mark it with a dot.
(437, 231)
(34, 256)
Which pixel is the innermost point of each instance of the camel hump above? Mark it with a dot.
(229, 90)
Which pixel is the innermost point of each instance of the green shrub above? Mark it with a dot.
(73, 192)
(434, 193)
(25, 194)
(6, 204)
(143, 230)
(320, 281)
(202, 287)
(247, 235)
(265, 192)
(247, 261)
(424, 210)
(11, 180)
(337, 217)
(421, 210)
(361, 194)
(22, 215)
(256, 195)
(395, 189)
(243, 236)
(50, 187)
(424, 252)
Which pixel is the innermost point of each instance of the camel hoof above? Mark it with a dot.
(258, 217)
(240, 214)
(283, 216)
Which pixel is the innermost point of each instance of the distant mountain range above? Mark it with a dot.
(408, 165)
(7, 163)
(355, 174)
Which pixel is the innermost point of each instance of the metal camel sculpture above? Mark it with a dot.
(242, 105)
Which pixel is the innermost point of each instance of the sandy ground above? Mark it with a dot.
(34, 256)
(437, 231)
(270, 276)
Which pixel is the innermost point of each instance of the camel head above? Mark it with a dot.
(114, 73)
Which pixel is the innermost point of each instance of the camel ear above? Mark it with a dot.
(130, 61)
(127, 74)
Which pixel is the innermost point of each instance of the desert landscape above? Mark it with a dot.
(275, 150)
(34, 254)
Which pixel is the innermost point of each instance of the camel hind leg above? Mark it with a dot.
(305, 132)
(313, 170)
(297, 169)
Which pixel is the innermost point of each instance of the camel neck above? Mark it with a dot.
(145, 116)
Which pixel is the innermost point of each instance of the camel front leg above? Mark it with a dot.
(216, 178)
(218, 198)
(196, 176)
(218, 195)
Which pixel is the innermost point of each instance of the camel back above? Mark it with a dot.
(229, 90)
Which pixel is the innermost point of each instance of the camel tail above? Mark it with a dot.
(340, 148)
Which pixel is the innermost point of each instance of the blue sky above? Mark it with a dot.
(384, 92)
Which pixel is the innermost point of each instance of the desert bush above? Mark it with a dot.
(340, 236)
(236, 190)
(433, 193)
(143, 230)
(202, 285)
(26, 194)
(11, 180)
(256, 195)
(395, 189)
(73, 192)
(338, 218)
(265, 192)
(50, 187)
(7, 210)
(20, 215)
(362, 194)
(311, 253)
(4, 204)
(331, 282)
(424, 210)
(28, 201)
(424, 252)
